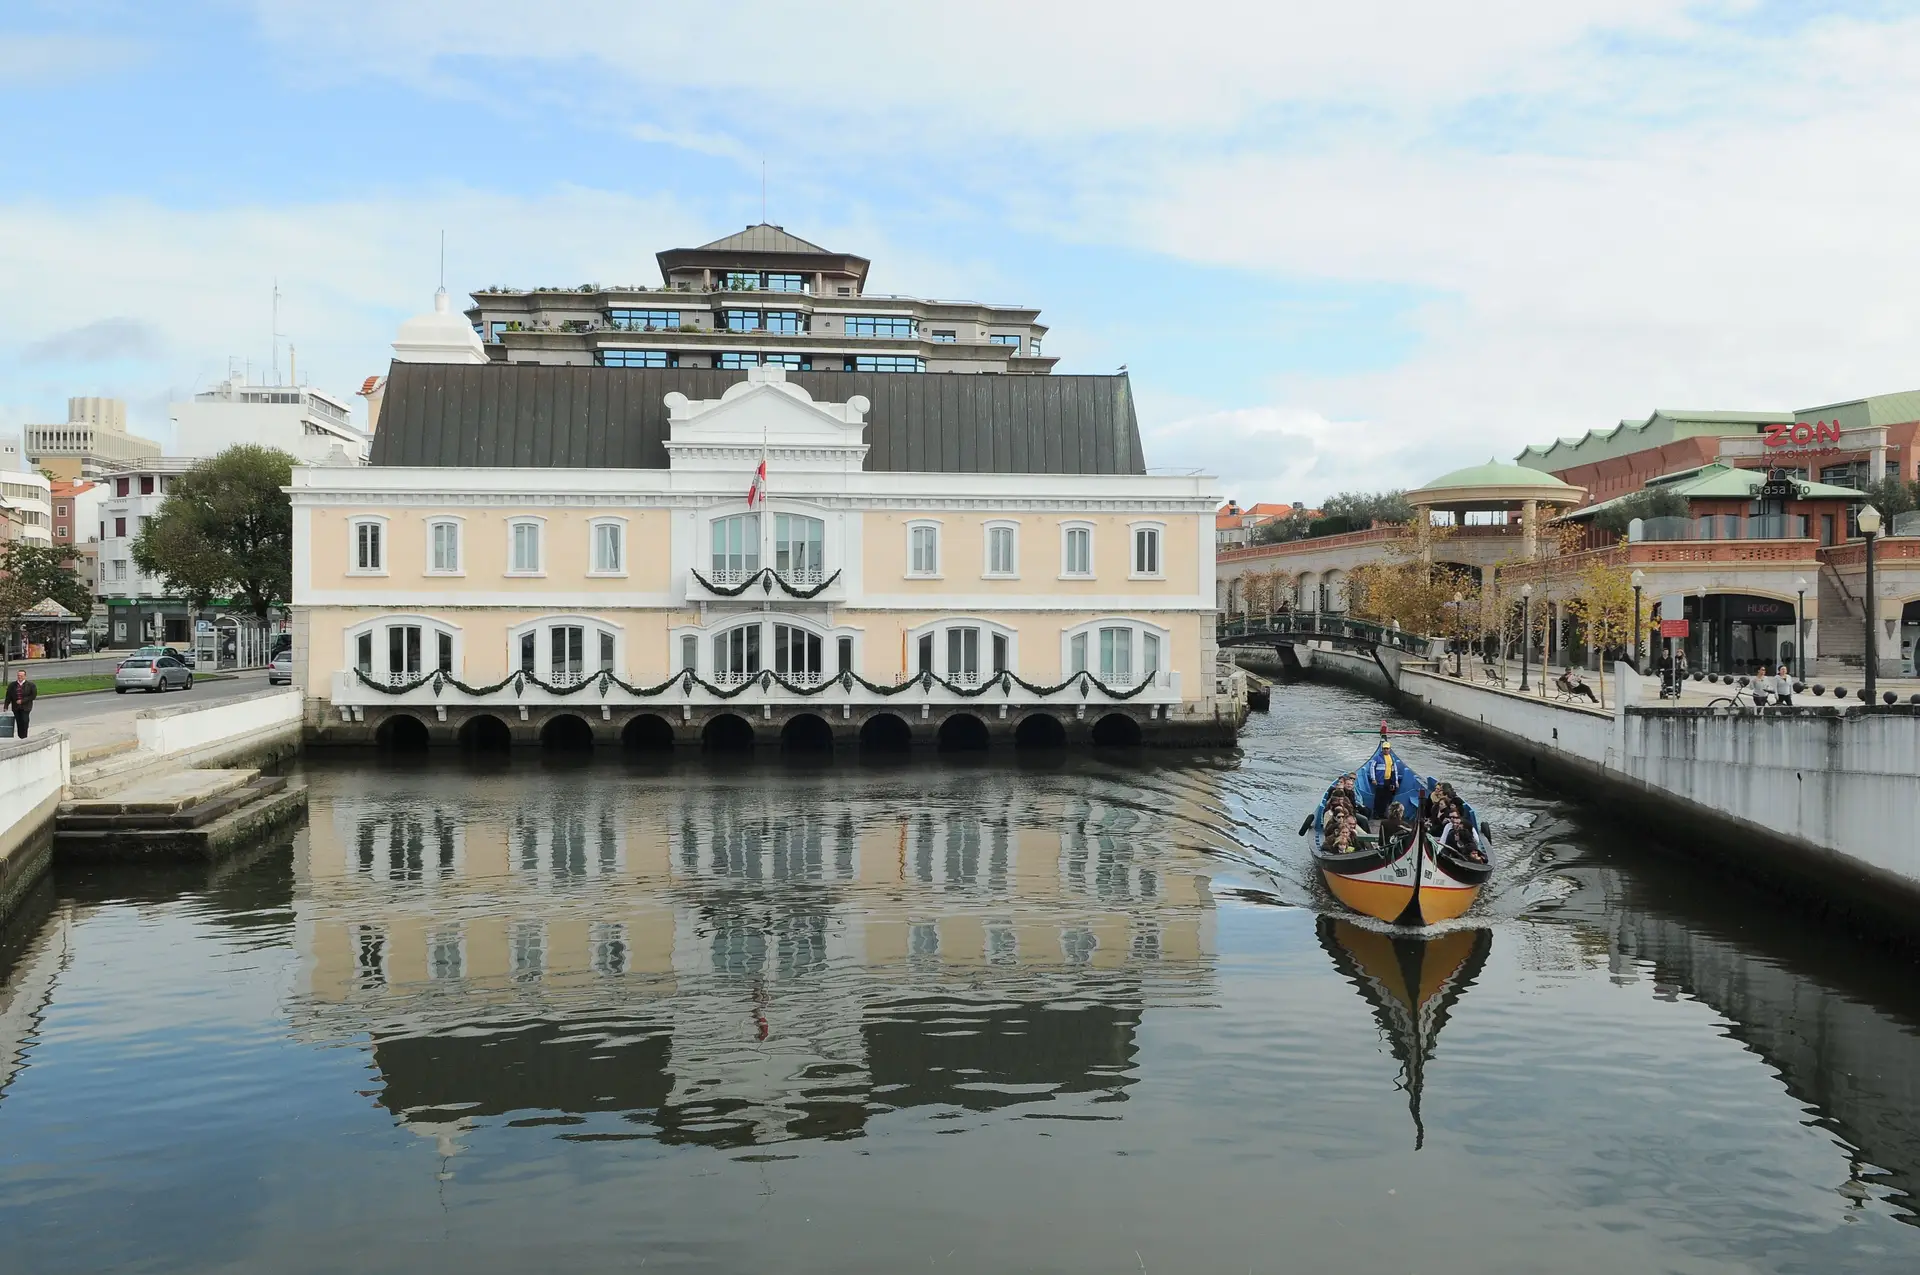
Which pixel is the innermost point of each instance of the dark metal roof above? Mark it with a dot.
(524, 414)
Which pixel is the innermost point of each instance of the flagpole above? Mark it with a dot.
(765, 516)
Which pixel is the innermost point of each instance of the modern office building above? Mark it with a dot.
(92, 441)
(759, 297)
(299, 419)
(923, 561)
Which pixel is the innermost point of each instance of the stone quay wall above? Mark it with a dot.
(33, 777)
(1821, 802)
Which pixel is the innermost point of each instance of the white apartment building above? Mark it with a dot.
(26, 501)
(306, 422)
(139, 608)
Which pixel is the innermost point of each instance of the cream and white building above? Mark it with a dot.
(937, 559)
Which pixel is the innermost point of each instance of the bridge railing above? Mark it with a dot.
(1320, 624)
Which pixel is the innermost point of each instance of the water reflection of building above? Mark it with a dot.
(741, 963)
(1836, 1020)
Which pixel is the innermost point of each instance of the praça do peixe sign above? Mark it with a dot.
(1800, 434)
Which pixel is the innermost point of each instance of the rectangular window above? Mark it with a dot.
(946, 336)
(636, 358)
(879, 325)
(786, 283)
(846, 655)
(527, 648)
(446, 546)
(999, 653)
(886, 363)
(736, 548)
(146, 484)
(925, 652)
(61, 510)
(924, 559)
(122, 486)
(690, 653)
(363, 653)
(566, 645)
(782, 322)
(1000, 551)
(366, 538)
(1116, 656)
(792, 362)
(607, 547)
(1077, 654)
(120, 527)
(1146, 551)
(1149, 655)
(742, 279)
(526, 546)
(403, 652)
(963, 655)
(445, 664)
(1079, 552)
(643, 320)
(606, 651)
(1005, 338)
(732, 361)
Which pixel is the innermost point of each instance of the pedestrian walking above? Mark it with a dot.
(20, 696)
(1783, 687)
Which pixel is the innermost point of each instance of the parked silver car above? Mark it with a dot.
(281, 670)
(151, 673)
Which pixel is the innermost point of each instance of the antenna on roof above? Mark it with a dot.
(276, 331)
(443, 258)
(763, 192)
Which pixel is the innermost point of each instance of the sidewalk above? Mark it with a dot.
(1695, 693)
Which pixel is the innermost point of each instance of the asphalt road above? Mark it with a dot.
(59, 710)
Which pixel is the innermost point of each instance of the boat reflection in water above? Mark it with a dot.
(1412, 984)
(739, 963)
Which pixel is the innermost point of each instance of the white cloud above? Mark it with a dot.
(349, 273)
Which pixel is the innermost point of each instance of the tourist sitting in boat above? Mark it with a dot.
(1459, 837)
(1393, 824)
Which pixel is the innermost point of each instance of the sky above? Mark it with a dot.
(1338, 247)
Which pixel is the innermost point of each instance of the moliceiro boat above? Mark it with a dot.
(1396, 847)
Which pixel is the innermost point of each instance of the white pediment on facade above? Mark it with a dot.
(768, 412)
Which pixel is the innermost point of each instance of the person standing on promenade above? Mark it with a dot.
(20, 696)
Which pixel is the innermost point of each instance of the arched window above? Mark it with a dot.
(565, 650)
(965, 649)
(799, 548)
(736, 654)
(797, 654)
(1076, 550)
(399, 649)
(1120, 652)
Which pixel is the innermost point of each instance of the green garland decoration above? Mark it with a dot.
(765, 679)
(766, 578)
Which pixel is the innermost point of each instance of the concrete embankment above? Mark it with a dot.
(1822, 802)
(42, 782)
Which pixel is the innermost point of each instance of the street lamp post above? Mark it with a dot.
(1526, 633)
(1800, 628)
(1459, 600)
(1639, 583)
(1869, 524)
(1706, 655)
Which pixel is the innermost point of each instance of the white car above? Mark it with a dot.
(280, 672)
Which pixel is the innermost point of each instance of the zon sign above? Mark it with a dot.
(1802, 435)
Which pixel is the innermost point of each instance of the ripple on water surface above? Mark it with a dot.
(1073, 1014)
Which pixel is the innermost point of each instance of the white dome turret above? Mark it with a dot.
(440, 337)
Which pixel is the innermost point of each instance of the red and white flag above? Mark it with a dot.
(757, 492)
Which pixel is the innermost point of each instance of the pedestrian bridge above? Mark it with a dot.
(1284, 630)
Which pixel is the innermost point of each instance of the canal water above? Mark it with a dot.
(1070, 1014)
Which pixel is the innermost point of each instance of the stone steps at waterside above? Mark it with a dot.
(184, 814)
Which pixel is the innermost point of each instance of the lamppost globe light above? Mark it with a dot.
(1868, 520)
(1526, 590)
(1800, 584)
(1639, 579)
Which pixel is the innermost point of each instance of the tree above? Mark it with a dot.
(1603, 603)
(226, 530)
(1891, 495)
(1362, 508)
(1407, 587)
(30, 573)
(1648, 502)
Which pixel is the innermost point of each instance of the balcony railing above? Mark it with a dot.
(1725, 527)
(804, 584)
